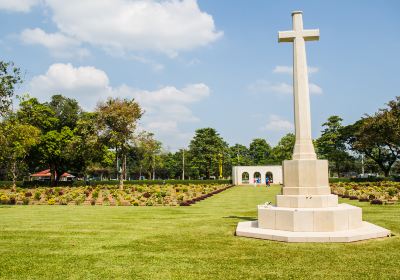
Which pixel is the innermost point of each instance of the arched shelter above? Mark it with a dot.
(243, 175)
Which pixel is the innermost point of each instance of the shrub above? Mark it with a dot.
(146, 195)
(4, 199)
(51, 201)
(28, 194)
(392, 191)
(37, 195)
(376, 201)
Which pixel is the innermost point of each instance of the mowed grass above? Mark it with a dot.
(196, 242)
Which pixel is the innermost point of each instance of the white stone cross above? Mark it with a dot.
(303, 148)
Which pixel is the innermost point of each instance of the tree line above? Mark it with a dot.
(59, 135)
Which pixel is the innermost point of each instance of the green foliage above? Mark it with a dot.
(204, 149)
(117, 120)
(284, 149)
(16, 140)
(331, 144)
(260, 151)
(240, 155)
(10, 77)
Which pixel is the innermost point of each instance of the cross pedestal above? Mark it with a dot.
(306, 211)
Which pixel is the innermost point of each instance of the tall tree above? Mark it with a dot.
(32, 112)
(16, 139)
(331, 145)
(260, 151)
(86, 143)
(239, 155)
(204, 149)
(365, 137)
(118, 120)
(66, 110)
(56, 151)
(151, 155)
(10, 77)
(284, 149)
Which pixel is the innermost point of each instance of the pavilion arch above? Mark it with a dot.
(240, 173)
(269, 175)
(257, 177)
(245, 178)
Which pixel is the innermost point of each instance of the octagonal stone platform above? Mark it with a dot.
(341, 217)
(366, 231)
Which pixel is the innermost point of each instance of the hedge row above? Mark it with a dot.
(30, 184)
(364, 180)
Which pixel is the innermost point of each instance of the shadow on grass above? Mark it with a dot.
(241, 218)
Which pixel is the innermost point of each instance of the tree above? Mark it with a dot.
(365, 137)
(57, 152)
(87, 144)
(260, 151)
(66, 110)
(10, 76)
(331, 145)
(117, 122)
(16, 139)
(239, 155)
(284, 149)
(204, 149)
(40, 115)
(151, 157)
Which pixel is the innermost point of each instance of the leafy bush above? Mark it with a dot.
(51, 201)
(376, 201)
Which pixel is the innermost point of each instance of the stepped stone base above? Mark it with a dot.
(341, 217)
(366, 231)
(307, 201)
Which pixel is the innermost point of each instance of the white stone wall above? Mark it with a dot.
(276, 171)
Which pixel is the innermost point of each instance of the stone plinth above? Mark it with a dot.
(307, 201)
(338, 218)
(366, 231)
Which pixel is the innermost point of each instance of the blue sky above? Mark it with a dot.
(194, 64)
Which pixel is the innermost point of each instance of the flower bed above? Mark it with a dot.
(132, 195)
(376, 192)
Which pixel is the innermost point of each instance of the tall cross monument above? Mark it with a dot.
(306, 211)
(303, 148)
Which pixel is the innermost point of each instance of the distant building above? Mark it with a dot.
(244, 175)
(45, 175)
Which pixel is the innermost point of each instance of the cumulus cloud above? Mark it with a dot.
(289, 69)
(264, 86)
(315, 89)
(276, 123)
(165, 108)
(18, 5)
(122, 26)
(58, 44)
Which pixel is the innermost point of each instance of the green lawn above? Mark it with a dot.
(196, 242)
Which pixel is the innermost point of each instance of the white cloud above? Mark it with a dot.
(264, 86)
(315, 89)
(165, 108)
(281, 69)
(123, 26)
(276, 123)
(18, 5)
(58, 44)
